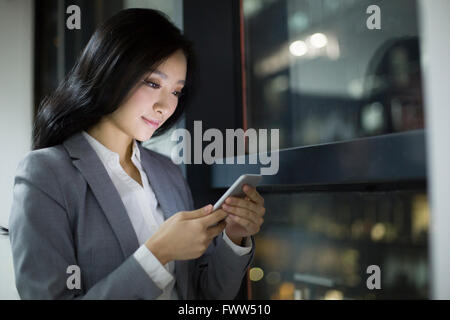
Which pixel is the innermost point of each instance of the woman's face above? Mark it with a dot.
(154, 101)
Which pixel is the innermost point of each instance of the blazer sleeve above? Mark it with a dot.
(219, 272)
(43, 246)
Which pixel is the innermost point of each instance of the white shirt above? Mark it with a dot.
(145, 215)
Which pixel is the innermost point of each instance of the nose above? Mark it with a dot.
(158, 109)
(162, 107)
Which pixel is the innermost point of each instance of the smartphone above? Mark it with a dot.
(236, 188)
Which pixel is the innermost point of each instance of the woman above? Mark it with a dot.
(97, 216)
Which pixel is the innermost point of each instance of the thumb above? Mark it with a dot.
(199, 212)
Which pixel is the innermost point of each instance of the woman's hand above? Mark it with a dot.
(186, 235)
(245, 215)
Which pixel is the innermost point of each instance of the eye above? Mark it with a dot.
(151, 84)
(154, 85)
(178, 94)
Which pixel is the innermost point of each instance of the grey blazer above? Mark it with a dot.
(66, 211)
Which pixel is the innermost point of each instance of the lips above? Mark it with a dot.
(152, 123)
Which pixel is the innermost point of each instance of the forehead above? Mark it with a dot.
(169, 71)
(175, 62)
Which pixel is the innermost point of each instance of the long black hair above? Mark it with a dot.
(122, 50)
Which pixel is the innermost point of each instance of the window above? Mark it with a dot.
(318, 245)
(315, 71)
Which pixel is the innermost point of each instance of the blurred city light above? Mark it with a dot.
(298, 48)
(256, 274)
(318, 40)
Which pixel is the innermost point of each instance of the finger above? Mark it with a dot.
(247, 204)
(213, 217)
(261, 208)
(249, 226)
(253, 194)
(199, 212)
(242, 212)
(216, 230)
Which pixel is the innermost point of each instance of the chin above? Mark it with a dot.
(144, 135)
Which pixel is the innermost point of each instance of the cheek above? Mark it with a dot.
(173, 108)
(137, 105)
(174, 102)
(133, 109)
(140, 100)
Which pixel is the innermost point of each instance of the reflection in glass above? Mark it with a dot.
(319, 245)
(315, 71)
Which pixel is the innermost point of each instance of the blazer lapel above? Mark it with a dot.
(158, 180)
(91, 167)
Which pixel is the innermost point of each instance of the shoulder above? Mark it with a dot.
(43, 162)
(46, 170)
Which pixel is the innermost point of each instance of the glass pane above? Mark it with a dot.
(319, 246)
(317, 72)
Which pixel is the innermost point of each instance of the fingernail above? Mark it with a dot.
(208, 208)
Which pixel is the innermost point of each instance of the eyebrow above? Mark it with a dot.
(164, 76)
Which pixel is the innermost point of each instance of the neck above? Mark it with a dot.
(114, 139)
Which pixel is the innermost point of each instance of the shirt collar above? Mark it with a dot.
(136, 151)
(107, 155)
